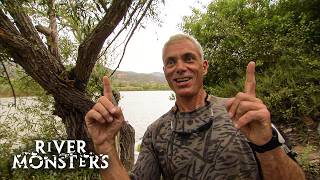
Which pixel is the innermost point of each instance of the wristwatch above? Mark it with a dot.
(276, 141)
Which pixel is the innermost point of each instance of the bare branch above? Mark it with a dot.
(120, 31)
(51, 32)
(54, 33)
(131, 33)
(9, 81)
(44, 30)
(90, 48)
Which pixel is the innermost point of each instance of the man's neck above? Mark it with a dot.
(191, 103)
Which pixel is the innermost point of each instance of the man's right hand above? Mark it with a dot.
(104, 121)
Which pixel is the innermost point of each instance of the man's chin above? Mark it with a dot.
(184, 93)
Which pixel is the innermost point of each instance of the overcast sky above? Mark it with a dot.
(143, 53)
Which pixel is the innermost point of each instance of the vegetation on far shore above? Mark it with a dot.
(23, 87)
(5, 90)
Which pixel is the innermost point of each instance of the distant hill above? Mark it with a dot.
(121, 80)
(133, 77)
(132, 81)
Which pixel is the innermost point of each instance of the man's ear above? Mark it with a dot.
(205, 66)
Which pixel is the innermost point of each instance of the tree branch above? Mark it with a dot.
(43, 68)
(24, 23)
(51, 32)
(7, 24)
(11, 40)
(120, 31)
(131, 34)
(90, 48)
(9, 81)
(104, 5)
(54, 33)
(49, 78)
(44, 30)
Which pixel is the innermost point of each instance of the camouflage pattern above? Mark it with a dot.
(202, 144)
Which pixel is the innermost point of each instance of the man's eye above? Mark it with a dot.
(170, 62)
(189, 57)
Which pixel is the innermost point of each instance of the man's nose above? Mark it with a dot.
(180, 67)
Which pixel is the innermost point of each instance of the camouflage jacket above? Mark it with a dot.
(202, 144)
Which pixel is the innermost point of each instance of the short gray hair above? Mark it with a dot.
(181, 37)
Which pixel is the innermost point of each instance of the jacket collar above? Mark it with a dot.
(194, 121)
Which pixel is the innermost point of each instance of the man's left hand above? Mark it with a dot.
(248, 113)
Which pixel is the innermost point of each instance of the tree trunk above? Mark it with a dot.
(73, 121)
(19, 39)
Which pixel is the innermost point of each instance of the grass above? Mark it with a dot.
(310, 166)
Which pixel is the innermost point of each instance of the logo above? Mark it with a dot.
(60, 154)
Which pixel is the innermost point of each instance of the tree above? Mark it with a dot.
(52, 61)
(281, 36)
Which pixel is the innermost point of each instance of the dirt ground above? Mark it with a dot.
(305, 141)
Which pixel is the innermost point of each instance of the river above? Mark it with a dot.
(140, 108)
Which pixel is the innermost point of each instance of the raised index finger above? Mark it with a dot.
(250, 84)
(107, 92)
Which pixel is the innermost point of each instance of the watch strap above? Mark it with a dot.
(272, 144)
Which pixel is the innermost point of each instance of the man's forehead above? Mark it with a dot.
(180, 47)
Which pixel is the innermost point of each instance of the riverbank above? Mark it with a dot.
(7, 93)
(305, 141)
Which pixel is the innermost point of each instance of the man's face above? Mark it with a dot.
(183, 68)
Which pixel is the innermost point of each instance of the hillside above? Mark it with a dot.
(122, 80)
(132, 81)
(133, 77)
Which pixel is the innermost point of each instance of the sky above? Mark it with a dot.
(143, 53)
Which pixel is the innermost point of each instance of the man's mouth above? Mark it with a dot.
(181, 80)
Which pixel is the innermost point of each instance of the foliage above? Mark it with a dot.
(77, 19)
(282, 37)
(312, 167)
(19, 130)
(95, 86)
(23, 84)
(138, 86)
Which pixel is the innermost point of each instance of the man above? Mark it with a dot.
(202, 136)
